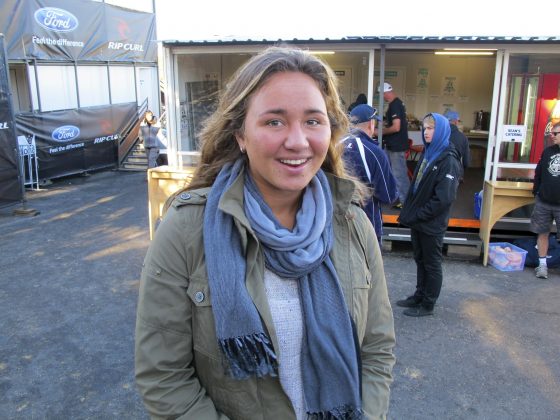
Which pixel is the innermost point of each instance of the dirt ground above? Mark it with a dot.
(69, 283)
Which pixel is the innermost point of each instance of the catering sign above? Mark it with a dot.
(514, 133)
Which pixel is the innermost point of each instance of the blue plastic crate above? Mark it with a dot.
(506, 257)
(477, 204)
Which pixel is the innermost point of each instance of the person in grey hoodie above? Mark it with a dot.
(426, 211)
(149, 130)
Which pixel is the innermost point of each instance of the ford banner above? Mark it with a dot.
(89, 142)
(76, 30)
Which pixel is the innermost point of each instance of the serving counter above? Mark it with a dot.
(498, 199)
(163, 181)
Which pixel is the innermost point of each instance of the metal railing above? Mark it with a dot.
(130, 137)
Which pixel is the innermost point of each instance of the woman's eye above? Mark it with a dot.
(313, 122)
(274, 123)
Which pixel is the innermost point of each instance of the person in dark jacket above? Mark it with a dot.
(395, 139)
(546, 188)
(369, 163)
(426, 211)
(459, 140)
(360, 100)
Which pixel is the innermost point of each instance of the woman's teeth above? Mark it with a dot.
(293, 161)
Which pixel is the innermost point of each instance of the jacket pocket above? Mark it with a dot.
(203, 327)
(361, 284)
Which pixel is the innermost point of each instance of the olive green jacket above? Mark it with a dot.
(179, 367)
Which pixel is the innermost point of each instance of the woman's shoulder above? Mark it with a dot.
(188, 205)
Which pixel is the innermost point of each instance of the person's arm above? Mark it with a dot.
(466, 154)
(378, 358)
(383, 181)
(537, 179)
(164, 366)
(393, 128)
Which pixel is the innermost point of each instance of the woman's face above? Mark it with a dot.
(286, 135)
(429, 128)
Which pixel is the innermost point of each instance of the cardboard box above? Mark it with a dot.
(506, 257)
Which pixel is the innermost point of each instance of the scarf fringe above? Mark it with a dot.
(251, 355)
(344, 412)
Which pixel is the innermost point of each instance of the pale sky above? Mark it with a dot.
(302, 19)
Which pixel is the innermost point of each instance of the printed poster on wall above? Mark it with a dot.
(422, 80)
(449, 86)
(396, 76)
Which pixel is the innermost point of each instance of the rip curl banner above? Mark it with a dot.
(76, 30)
(10, 183)
(74, 141)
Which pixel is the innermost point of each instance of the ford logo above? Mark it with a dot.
(65, 133)
(54, 19)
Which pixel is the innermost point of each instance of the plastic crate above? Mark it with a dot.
(477, 204)
(512, 259)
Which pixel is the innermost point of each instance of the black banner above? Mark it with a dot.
(76, 30)
(77, 140)
(10, 184)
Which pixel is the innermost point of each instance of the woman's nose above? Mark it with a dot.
(297, 137)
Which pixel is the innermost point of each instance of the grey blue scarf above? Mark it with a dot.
(330, 358)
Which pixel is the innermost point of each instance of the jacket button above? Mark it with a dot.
(184, 196)
(199, 297)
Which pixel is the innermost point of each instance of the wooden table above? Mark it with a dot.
(162, 182)
(498, 199)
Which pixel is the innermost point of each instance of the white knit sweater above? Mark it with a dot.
(285, 306)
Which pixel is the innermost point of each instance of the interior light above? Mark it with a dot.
(322, 52)
(469, 49)
(464, 52)
(555, 114)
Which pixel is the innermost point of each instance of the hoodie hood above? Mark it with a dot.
(440, 141)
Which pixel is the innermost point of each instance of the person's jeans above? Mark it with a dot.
(427, 251)
(400, 172)
(152, 154)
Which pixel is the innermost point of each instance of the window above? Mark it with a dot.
(123, 87)
(57, 87)
(93, 85)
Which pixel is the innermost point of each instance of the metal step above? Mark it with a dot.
(141, 160)
(134, 166)
(455, 238)
(132, 169)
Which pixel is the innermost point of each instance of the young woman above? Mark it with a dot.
(263, 293)
(426, 211)
(149, 130)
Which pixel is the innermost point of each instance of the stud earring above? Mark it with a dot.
(242, 149)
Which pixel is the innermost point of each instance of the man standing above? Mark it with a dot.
(367, 161)
(395, 138)
(546, 188)
(458, 140)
